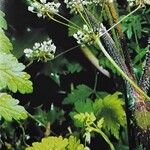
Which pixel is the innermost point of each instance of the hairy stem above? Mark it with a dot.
(120, 70)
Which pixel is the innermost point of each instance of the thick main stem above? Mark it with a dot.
(119, 69)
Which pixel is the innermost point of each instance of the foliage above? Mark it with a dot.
(51, 116)
(78, 106)
(9, 108)
(80, 94)
(3, 23)
(57, 143)
(88, 121)
(12, 77)
(110, 108)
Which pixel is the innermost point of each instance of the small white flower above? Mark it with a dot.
(31, 8)
(84, 36)
(133, 2)
(27, 50)
(41, 51)
(77, 5)
(44, 7)
(43, 1)
(40, 15)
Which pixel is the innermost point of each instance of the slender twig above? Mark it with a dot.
(68, 20)
(66, 52)
(123, 18)
(83, 18)
(95, 82)
(36, 120)
(67, 25)
(23, 133)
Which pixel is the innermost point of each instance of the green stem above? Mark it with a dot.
(29, 64)
(105, 137)
(84, 19)
(70, 49)
(67, 20)
(95, 82)
(36, 120)
(120, 70)
(60, 22)
(123, 18)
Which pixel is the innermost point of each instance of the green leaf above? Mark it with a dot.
(50, 143)
(111, 109)
(3, 23)
(140, 55)
(50, 116)
(12, 75)
(103, 61)
(84, 106)
(129, 32)
(74, 67)
(74, 144)
(9, 108)
(5, 44)
(85, 118)
(100, 123)
(57, 143)
(61, 66)
(80, 94)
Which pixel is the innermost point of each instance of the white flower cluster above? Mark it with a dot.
(41, 51)
(44, 7)
(77, 5)
(137, 2)
(131, 2)
(96, 1)
(84, 36)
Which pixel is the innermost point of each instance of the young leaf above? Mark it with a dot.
(74, 144)
(50, 143)
(9, 108)
(81, 106)
(111, 109)
(57, 143)
(74, 67)
(51, 115)
(12, 75)
(80, 94)
(100, 123)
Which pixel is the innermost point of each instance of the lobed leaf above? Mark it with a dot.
(80, 94)
(9, 108)
(3, 23)
(12, 75)
(111, 109)
(57, 143)
(5, 44)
